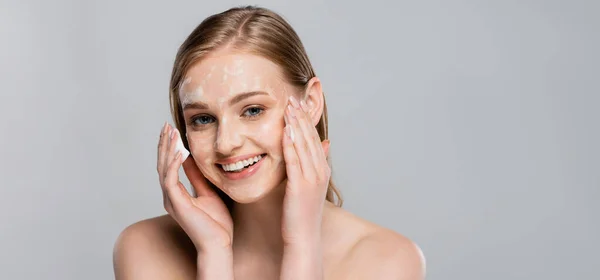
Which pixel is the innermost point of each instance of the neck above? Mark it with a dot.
(257, 225)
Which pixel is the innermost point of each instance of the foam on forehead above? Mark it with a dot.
(218, 78)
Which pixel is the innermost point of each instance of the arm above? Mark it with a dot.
(308, 174)
(215, 264)
(302, 261)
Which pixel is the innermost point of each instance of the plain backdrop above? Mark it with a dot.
(471, 127)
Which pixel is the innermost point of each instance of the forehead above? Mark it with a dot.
(219, 72)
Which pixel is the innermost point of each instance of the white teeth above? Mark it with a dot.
(240, 164)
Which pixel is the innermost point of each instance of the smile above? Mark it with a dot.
(239, 165)
(241, 168)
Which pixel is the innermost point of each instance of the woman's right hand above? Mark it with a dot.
(205, 218)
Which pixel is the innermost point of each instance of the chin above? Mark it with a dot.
(253, 182)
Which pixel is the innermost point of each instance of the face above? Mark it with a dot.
(233, 106)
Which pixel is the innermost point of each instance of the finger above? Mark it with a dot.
(197, 179)
(176, 192)
(162, 145)
(300, 143)
(171, 151)
(292, 163)
(312, 138)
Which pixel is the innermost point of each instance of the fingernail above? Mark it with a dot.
(173, 131)
(289, 132)
(164, 128)
(303, 105)
(294, 102)
(285, 119)
(291, 111)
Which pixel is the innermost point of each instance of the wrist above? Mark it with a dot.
(305, 238)
(215, 264)
(304, 251)
(302, 261)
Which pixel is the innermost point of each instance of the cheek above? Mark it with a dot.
(201, 148)
(269, 134)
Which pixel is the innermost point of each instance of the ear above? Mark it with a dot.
(314, 100)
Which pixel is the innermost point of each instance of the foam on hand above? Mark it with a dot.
(179, 147)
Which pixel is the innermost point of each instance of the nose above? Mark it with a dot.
(228, 139)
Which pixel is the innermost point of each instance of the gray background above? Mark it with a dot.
(469, 126)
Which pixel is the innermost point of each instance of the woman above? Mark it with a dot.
(249, 108)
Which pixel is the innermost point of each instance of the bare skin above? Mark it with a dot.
(284, 228)
(353, 248)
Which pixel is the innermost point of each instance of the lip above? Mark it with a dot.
(245, 173)
(236, 159)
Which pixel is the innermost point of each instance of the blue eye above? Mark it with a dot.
(253, 112)
(203, 120)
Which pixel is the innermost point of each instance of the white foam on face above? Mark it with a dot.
(191, 97)
(186, 81)
(188, 96)
(237, 69)
(224, 79)
(217, 81)
(209, 75)
(182, 88)
(220, 101)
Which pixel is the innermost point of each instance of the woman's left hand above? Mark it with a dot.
(308, 176)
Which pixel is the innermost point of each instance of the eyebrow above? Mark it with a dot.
(245, 95)
(234, 100)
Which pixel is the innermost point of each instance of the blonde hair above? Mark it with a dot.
(254, 30)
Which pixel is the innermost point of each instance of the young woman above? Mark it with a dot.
(248, 106)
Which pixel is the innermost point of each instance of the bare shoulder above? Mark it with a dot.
(385, 254)
(380, 253)
(155, 248)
